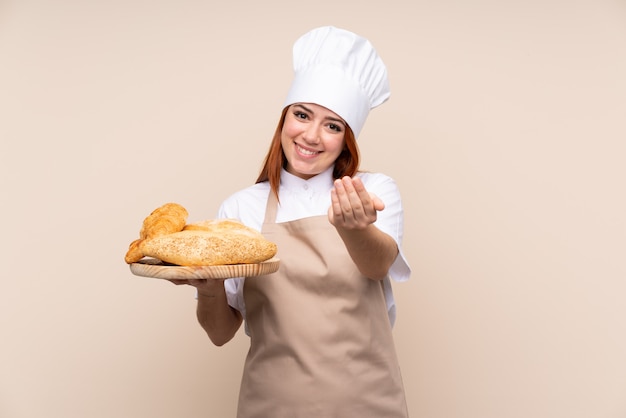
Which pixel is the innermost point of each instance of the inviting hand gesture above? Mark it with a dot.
(352, 207)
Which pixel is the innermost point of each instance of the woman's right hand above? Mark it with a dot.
(204, 286)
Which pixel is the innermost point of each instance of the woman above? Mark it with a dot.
(320, 327)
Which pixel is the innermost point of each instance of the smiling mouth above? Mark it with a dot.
(305, 151)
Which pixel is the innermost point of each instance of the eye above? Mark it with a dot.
(335, 127)
(300, 115)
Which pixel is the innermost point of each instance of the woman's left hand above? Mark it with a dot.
(352, 206)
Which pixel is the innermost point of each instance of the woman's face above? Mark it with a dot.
(312, 138)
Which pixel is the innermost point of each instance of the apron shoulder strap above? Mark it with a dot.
(271, 208)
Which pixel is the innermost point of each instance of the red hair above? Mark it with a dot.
(347, 164)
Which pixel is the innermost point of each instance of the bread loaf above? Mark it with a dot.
(215, 242)
(164, 235)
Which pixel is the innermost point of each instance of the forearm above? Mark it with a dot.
(372, 250)
(216, 316)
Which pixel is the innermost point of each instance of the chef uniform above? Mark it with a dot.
(321, 339)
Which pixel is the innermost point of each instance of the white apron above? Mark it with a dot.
(320, 339)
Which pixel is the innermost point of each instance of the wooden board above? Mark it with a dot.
(150, 267)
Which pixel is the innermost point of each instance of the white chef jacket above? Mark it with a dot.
(300, 198)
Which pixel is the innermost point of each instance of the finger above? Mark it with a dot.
(335, 207)
(378, 204)
(178, 282)
(359, 198)
(359, 188)
(344, 200)
(367, 200)
(198, 282)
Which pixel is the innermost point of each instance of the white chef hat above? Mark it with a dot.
(341, 71)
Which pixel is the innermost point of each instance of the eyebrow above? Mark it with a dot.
(327, 117)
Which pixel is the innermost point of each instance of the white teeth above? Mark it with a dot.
(305, 151)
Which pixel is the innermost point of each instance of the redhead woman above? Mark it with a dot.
(320, 328)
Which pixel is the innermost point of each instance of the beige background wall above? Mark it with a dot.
(505, 132)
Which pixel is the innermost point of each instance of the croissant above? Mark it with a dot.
(166, 219)
(169, 218)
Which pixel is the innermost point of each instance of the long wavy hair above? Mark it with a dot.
(347, 164)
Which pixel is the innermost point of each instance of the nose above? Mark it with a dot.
(312, 133)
